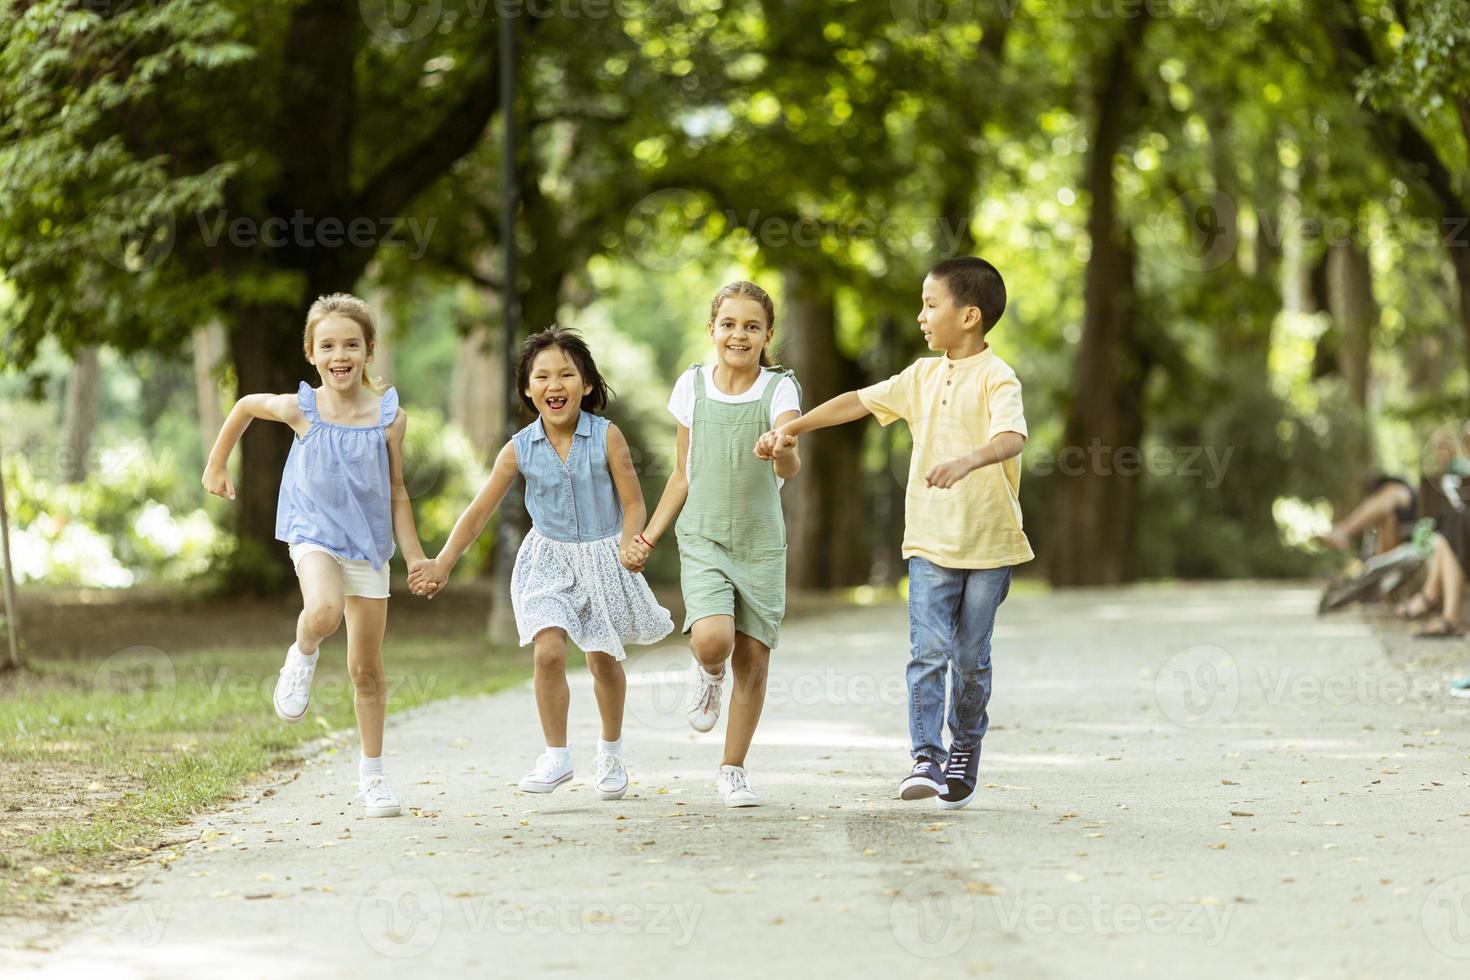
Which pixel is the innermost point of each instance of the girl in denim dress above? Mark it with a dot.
(571, 579)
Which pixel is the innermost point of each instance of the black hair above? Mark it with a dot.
(974, 282)
(570, 343)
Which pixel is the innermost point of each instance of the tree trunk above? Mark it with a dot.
(1090, 540)
(80, 416)
(10, 657)
(1350, 301)
(209, 350)
(265, 343)
(477, 394)
(826, 515)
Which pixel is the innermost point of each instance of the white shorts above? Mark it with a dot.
(358, 577)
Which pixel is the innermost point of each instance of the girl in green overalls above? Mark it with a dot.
(732, 538)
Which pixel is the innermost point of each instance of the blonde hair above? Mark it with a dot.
(354, 309)
(749, 290)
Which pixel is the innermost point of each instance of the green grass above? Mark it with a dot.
(104, 757)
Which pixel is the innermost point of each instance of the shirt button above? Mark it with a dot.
(949, 382)
(944, 403)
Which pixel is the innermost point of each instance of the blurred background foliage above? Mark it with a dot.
(1231, 232)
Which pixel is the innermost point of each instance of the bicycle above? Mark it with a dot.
(1378, 576)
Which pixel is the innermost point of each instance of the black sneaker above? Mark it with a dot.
(926, 780)
(961, 775)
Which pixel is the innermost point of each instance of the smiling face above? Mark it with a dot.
(946, 325)
(340, 352)
(556, 387)
(740, 331)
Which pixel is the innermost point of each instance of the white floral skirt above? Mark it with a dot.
(582, 587)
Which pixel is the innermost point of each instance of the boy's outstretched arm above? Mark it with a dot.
(846, 407)
(997, 450)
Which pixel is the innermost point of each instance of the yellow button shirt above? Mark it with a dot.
(953, 407)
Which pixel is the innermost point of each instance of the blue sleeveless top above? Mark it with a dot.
(575, 500)
(335, 490)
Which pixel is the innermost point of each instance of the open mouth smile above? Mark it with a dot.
(341, 373)
(556, 402)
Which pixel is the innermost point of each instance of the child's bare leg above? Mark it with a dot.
(553, 697)
(1380, 504)
(1434, 582)
(1452, 578)
(611, 687)
(366, 621)
(321, 601)
(1388, 533)
(751, 663)
(712, 640)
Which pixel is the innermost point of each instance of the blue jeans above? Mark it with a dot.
(951, 617)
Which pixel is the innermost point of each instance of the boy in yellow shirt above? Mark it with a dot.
(962, 513)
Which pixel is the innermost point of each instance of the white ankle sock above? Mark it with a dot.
(369, 767)
(611, 748)
(306, 658)
(562, 755)
(711, 674)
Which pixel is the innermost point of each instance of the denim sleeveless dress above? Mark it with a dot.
(335, 489)
(567, 573)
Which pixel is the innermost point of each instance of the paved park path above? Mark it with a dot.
(1178, 782)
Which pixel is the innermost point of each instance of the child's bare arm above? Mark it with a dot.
(785, 457)
(274, 408)
(428, 575)
(630, 492)
(676, 491)
(404, 529)
(999, 449)
(846, 407)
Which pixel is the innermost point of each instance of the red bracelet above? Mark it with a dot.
(646, 542)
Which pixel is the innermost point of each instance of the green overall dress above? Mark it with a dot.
(732, 537)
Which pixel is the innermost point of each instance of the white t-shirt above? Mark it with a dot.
(681, 402)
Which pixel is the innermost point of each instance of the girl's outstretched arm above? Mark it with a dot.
(403, 526)
(676, 491)
(784, 455)
(429, 577)
(630, 493)
(275, 408)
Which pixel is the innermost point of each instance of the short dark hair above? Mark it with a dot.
(570, 343)
(974, 282)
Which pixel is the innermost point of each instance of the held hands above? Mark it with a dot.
(774, 444)
(634, 553)
(216, 480)
(426, 577)
(946, 475)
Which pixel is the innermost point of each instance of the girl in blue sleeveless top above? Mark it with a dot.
(571, 576)
(342, 501)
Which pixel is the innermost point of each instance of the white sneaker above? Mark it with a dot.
(548, 774)
(702, 706)
(735, 789)
(611, 781)
(377, 799)
(293, 687)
